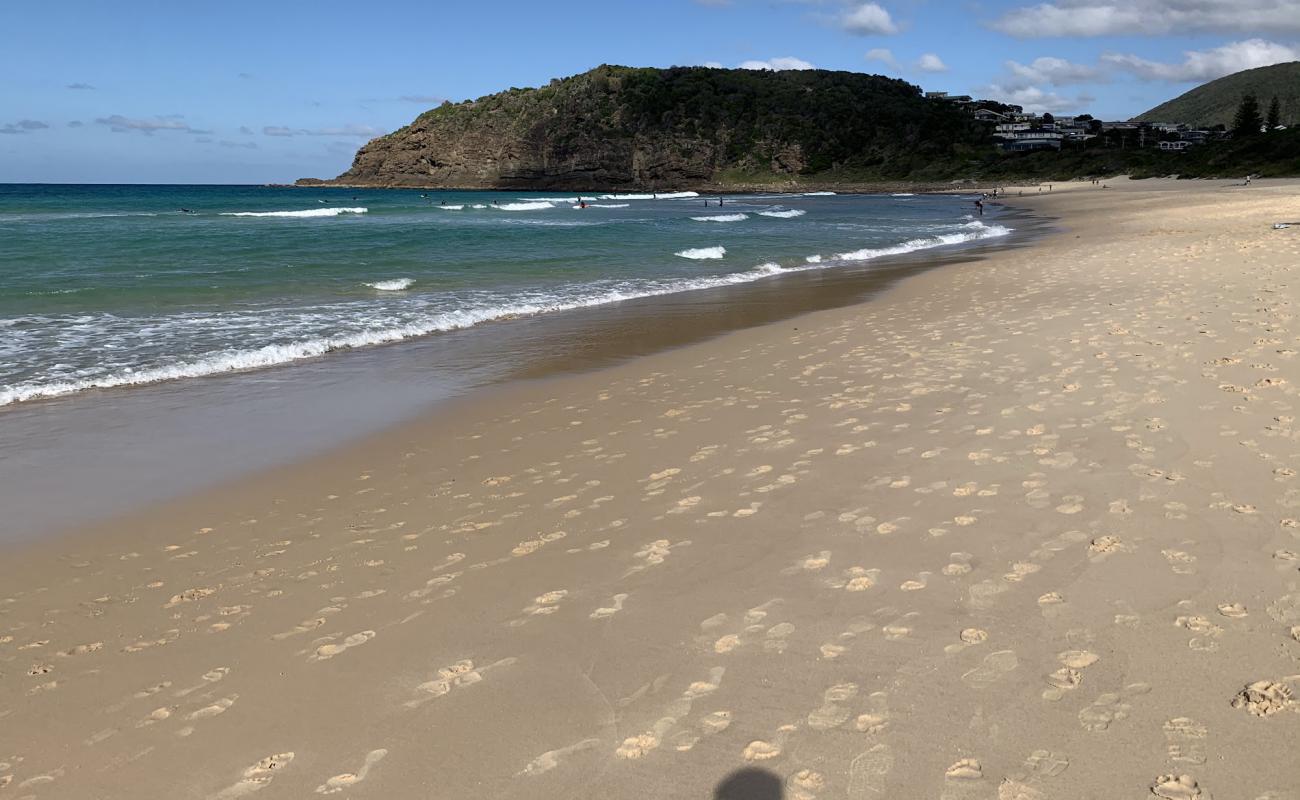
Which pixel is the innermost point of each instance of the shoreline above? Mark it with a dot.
(1022, 525)
(536, 346)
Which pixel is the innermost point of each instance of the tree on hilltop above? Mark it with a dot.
(1248, 120)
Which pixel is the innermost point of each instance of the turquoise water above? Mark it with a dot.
(106, 286)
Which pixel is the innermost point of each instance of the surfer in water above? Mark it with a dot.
(186, 211)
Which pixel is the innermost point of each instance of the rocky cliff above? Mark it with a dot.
(621, 128)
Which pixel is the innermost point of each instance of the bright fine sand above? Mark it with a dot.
(1023, 527)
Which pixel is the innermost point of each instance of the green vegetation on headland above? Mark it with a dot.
(1216, 102)
(621, 128)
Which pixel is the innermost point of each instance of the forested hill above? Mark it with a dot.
(1216, 102)
(619, 127)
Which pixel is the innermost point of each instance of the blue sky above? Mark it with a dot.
(250, 92)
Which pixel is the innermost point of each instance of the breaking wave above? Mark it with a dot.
(790, 214)
(394, 285)
(703, 252)
(311, 212)
(722, 218)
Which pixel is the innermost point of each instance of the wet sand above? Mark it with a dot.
(113, 450)
(1023, 527)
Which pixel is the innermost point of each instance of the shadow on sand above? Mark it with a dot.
(750, 784)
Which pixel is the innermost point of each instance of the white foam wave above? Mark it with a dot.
(818, 194)
(813, 259)
(655, 196)
(450, 208)
(393, 285)
(903, 194)
(609, 205)
(478, 205)
(536, 205)
(790, 214)
(722, 218)
(232, 360)
(311, 212)
(977, 231)
(703, 252)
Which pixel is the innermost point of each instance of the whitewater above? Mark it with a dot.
(132, 292)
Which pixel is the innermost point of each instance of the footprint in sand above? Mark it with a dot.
(962, 779)
(832, 712)
(1027, 783)
(868, 770)
(992, 669)
(1206, 632)
(349, 779)
(876, 718)
(1181, 562)
(1265, 698)
(462, 673)
(1068, 677)
(761, 750)
(211, 710)
(551, 758)
(1185, 740)
(210, 677)
(1176, 787)
(1111, 707)
(805, 784)
(256, 777)
(328, 651)
(615, 606)
(969, 637)
(777, 638)
(809, 563)
(542, 605)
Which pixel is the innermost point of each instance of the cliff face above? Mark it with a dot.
(620, 128)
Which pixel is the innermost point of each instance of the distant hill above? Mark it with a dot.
(621, 127)
(1216, 102)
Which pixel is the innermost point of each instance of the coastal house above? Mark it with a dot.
(986, 115)
(1178, 146)
(1032, 140)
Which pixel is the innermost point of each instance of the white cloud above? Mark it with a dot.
(1056, 71)
(1034, 99)
(358, 131)
(868, 19)
(1130, 17)
(930, 62)
(81, 86)
(885, 56)
(148, 125)
(1206, 65)
(777, 64)
(713, 65)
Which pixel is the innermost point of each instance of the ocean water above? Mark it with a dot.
(117, 286)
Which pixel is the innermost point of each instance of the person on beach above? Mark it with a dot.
(980, 205)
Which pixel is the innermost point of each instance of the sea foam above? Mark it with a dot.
(393, 285)
(311, 212)
(790, 214)
(703, 252)
(722, 218)
(535, 205)
(656, 196)
(976, 231)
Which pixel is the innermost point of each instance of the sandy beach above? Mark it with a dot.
(1020, 528)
